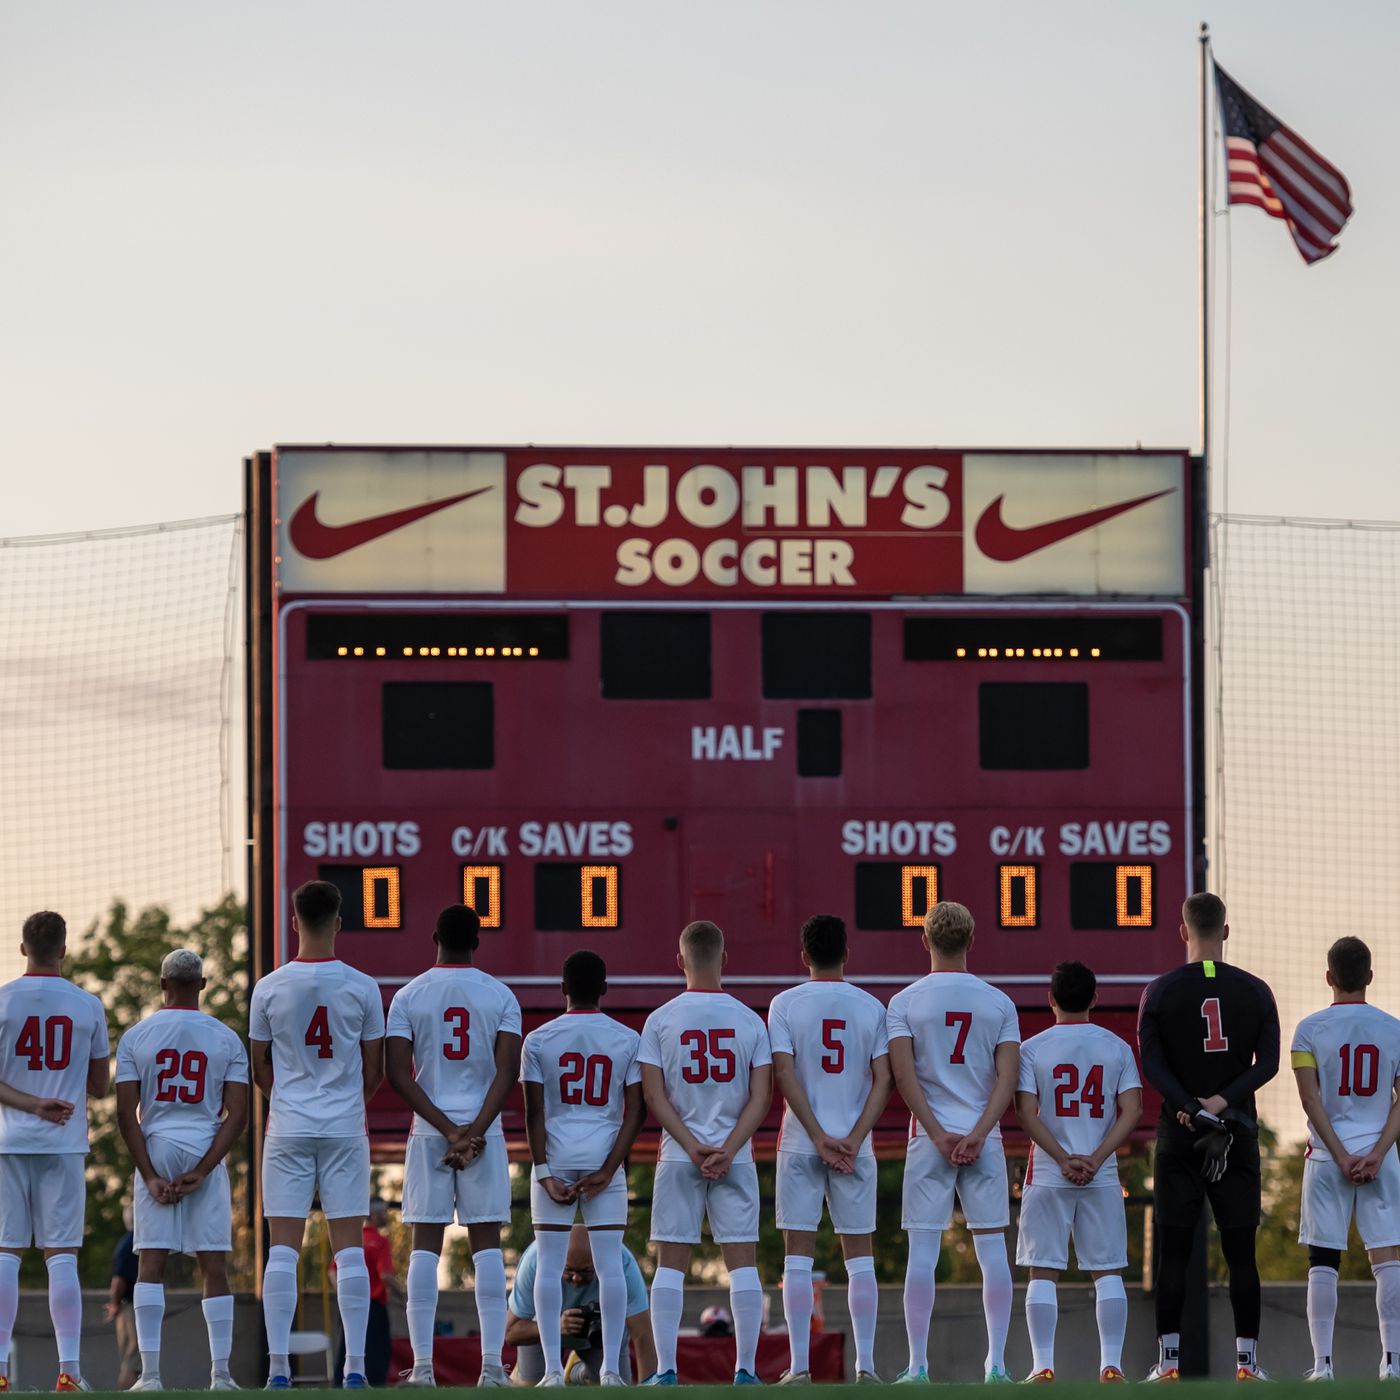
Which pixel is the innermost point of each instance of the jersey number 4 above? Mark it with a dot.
(171, 1065)
(46, 1044)
(1070, 1094)
(318, 1033)
(710, 1058)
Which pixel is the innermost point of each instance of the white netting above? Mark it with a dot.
(1307, 733)
(117, 691)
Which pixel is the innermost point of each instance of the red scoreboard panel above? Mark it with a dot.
(600, 692)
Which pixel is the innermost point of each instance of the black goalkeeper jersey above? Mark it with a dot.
(1208, 1028)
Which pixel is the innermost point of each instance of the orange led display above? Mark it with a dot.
(481, 888)
(1134, 905)
(374, 878)
(914, 908)
(1018, 896)
(592, 915)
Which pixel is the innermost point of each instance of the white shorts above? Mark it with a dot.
(804, 1181)
(608, 1207)
(1094, 1216)
(1330, 1200)
(199, 1223)
(681, 1198)
(295, 1168)
(43, 1196)
(930, 1180)
(434, 1194)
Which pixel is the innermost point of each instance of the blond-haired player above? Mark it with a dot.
(182, 1103)
(955, 1053)
(1079, 1099)
(53, 1058)
(316, 1033)
(708, 1080)
(1346, 1060)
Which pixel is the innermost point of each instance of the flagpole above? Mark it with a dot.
(1204, 387)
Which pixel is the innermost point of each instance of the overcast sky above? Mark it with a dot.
(812, 221)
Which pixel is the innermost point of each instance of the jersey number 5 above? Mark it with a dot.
(710, 1058)
(46, 1044)
(1215, 1039)
(833, 1050)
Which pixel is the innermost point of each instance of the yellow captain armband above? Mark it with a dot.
(1304, 1059)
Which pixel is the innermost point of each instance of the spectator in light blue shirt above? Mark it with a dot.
(580, 1322)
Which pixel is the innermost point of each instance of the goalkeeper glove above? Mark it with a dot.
(1213, 1139)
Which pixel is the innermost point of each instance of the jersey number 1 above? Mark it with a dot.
(1215, 1039)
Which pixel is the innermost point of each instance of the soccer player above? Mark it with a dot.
(316, 1032)
(955, 1050)
(186, 1074)
(1209, 1038)
(453, 1057)
(831, 1061)
(1346, 1060)
(708, 1080)
(53, 1058)
(583, 1109)
(1078, 1100)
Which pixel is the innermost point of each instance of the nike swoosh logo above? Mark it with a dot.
(317, 540)
(1002, 542)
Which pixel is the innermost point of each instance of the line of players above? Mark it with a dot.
(703, 1066)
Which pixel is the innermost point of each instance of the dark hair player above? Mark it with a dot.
(1208, 1035)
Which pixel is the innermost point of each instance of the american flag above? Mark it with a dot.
(1273, 167)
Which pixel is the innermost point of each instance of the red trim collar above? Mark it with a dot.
(585, 1011)
(705, 991)
(453, 965)
(315, 960)
(59, 975)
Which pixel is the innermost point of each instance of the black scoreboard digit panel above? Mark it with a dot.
(597, 693)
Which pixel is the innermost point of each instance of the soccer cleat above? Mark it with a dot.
(1111, 1375)
(67, 1382)
(223, 1381)
(610, 1378)
(868, 1378)
(147, 1383)
(795, 1378)
(1042, 1377)
(1320, 1373)
(913, 1376)
(278, 1383)
(419, 1376)
(550, 1380)
(1163, 1373)
(746, 1378)
(662, 1378)
(493, 1376)
(354, 1380)
(1390, 1371)
(1252, 1372)
(996, 1376)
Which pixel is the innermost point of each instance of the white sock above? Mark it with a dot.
(1169, 1349)
(218, 1318)
(422, 1304)
(1388, 1304)
(746, 1303)
(9, 1306)
(918, 1293)
(797, 1309)
(489, 1267)
(863, 1300)
(1042, 1313)
(352, 1293)
(1111, 1312)
(280, 1305)
(551, 1249)
(997, 1291)
(148, 1303)
(1322, 1312)
(667, 1302)
(606, 1246)
(66, 1310)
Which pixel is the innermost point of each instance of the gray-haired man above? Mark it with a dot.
(182, 1102)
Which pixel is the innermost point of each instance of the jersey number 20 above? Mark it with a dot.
(584, 1080)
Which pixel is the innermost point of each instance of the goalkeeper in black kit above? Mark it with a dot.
(1208, 1036)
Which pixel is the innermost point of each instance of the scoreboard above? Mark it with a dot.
(599, 692)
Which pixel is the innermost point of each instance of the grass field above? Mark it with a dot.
(1064, 1390)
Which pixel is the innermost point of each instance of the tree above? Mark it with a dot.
(119, 962)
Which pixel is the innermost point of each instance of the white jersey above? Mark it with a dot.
(833, 1031)
(956, 1022)
(1077, 1070)
(1356, 1050)
(316, 1012)
(50, 1031)
(705, 1044)
(453, 1013)
(584, 1060)
(182, 1058)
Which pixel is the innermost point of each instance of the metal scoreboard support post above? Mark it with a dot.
(598, 692)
